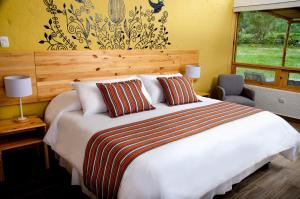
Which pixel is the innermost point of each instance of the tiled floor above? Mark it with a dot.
(26, 178)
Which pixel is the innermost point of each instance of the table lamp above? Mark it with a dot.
(192, 72)
(18, 86)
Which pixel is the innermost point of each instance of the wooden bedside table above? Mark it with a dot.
(20, 134)
(203, 94)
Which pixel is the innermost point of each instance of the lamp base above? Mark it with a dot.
(192, 81)
(21, 119)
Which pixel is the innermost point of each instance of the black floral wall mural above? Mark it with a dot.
(76, 26)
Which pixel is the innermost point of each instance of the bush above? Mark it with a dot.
(294, 40)
(245, 38)
(271, 38)
(279, 39)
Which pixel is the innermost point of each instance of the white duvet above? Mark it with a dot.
(193, 167)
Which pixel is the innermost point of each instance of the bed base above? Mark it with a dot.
(77, 178)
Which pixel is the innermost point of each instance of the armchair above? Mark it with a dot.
(231, 88)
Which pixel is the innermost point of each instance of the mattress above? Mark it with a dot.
(193, 167)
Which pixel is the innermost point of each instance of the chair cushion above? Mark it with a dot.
(232, 84)
(240, 100)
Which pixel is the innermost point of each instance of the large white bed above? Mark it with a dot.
(199, 166)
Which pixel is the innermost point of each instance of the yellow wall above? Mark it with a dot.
(206, 25)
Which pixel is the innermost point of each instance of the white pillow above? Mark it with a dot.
(153, 86)
(90, 96)
(65, 102)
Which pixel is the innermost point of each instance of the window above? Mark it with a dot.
(260, 39)
(294, 79)
(293, 49)
(257, 75)
(267, 48)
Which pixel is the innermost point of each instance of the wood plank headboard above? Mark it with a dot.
(53, 71)
(17, 63)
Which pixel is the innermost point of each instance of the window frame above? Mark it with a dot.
(281, 72)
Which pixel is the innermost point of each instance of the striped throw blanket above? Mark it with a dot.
(109, 152)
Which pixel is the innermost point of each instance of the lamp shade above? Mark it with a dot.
(193, 71)
(17, 86)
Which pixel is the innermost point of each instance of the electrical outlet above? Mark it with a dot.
(281, 100)
(4, 41)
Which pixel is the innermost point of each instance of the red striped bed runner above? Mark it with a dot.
(109, 152)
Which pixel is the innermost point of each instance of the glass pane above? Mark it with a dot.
(294, 79)
(293, 51)
(260, 39)
(257, 75)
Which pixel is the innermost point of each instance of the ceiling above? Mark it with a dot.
(287, 13)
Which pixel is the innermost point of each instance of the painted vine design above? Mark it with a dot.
(140, 30)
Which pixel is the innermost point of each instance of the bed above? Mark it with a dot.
(199, 166)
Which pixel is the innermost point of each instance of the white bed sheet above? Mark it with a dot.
(187, 168)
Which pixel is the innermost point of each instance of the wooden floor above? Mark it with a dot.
(280, 180)
(296, 125)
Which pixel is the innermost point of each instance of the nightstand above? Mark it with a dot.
(203, 94)
(15, 135)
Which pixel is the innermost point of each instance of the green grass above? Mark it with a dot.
(267, 55)
(293, 57)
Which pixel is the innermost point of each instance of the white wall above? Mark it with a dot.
(277, 101)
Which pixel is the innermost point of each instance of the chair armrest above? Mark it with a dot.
(220, 93)
(247, 92)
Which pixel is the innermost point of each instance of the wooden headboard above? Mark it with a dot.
(53, 71)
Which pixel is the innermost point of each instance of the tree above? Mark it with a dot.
(258, 24)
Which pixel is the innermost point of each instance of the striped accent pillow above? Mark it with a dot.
(123, 98)
(178, 90)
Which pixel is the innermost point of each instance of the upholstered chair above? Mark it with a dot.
(231, 88)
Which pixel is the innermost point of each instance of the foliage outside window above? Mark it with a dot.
(293, 50)
(262, 55)
(260, 39)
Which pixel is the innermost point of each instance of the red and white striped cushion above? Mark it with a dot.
(123, 98)
(177, 90)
